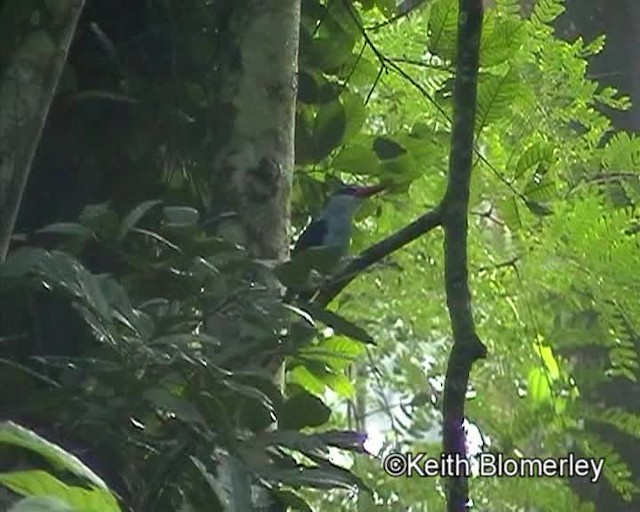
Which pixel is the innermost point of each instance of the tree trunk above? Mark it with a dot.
(254, 157)
(254, 160)
(39, 42)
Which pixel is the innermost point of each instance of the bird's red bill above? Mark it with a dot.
(369, 191)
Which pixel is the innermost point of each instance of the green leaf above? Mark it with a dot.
(183, 340)
(539, 388)
(541, 186)
(330, 378)
(181, 216)
(214, 486)
(496, 96)
(308, 444)
(303, 410)
(443, 29)
(328, 53)
(400, 170)
(387, 149)
(339, 383)
(327, 477)
(134, 216)
(23, 261)
(93, 211)
(339, 352)
(533, 156)
(355, 113)
(292, 501)
(346, 17)
(501, 38)
(66, 228)
(545, 11)
(305, 379)
(41, 504)
(359, 71)
(63, 270)
(168, 402)
(15, 435)
(360, 160)
(40, 483)
(546, 354)
(508, 207)
(158, 238)
(101, 220)
(253, 393)
(329, 128)
(594, 47)
(344, 439)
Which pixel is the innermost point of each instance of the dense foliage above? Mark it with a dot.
(141, 340)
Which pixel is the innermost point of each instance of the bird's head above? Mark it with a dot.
(361, 192)
(347, 199)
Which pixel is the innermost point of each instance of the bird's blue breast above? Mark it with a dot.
(338, 234)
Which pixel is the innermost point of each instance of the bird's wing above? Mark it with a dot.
(313, 236)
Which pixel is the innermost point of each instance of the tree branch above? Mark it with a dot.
(377, 252)
(467, 347)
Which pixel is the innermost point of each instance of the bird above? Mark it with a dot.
(332, 228)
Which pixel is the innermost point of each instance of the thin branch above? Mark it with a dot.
(605, 177)
(418, 63)
(510, 263)
(398, 69)
(377, 252)
(467, 347)
(375, 83)
(392, 64)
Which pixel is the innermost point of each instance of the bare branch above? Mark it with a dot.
(467, 347)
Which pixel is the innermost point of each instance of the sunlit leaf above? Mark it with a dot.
(134, 216)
